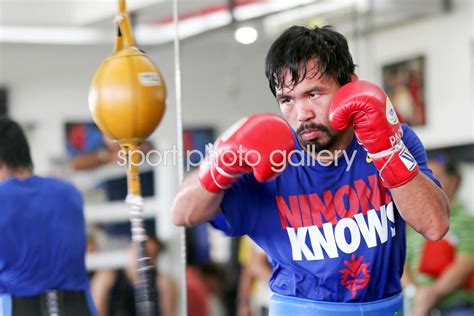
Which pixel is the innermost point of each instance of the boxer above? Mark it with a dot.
(334, 233)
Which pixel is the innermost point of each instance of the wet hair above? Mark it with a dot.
(295, 47)
(14, 148)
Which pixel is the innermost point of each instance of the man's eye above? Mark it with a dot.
(285, 101)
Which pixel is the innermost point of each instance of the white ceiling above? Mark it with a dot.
(91, 21)
(86, 12)
(68, 13)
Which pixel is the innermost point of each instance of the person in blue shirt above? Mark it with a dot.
(43, 240)
(332, 223)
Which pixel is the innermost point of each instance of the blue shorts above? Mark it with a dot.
(281, 305)
(5, 305)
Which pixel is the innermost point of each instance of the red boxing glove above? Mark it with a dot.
(376, 126)
(260, 143)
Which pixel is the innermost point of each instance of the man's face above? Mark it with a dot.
(306, 106)
(449, 183)
(438, 172)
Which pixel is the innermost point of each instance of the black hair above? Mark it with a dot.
(14, 148)
(297, 45)
(212, 269)
(451, 168)
(450, 165)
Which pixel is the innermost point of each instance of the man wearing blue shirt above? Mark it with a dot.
(333, 221)
(42, 244)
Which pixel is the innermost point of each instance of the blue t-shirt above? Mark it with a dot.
(42, 237)
(331, 233)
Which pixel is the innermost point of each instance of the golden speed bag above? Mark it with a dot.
(127, 97)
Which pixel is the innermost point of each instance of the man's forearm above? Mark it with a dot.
(452, 278)
(424, 206)
(245, 284)
(260, 267)
(455, 275)
(90, 160)
(406, 277)
(193, 204)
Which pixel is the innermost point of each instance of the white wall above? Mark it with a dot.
(446, 43)
(223, 80)
(49, 85)
(465, 193)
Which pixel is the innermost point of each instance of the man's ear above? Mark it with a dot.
(354, 77)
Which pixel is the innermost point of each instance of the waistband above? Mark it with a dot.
(5, 304)
(281, 305)
(52, 302)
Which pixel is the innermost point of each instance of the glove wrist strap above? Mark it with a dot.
(213, 178)
(396, 165)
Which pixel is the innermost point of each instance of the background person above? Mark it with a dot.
(443, 271)
(113, 290)
(43, 242)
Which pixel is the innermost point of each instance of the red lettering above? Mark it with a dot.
(291, 214)
(369, 196)
(341, 208)
(318, 207)
(305, 210)
(329, 212)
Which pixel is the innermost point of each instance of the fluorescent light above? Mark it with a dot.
(53, 35)
(153, 34)
(255, 10)
(146, 34)
(246, 35)
(275, 23)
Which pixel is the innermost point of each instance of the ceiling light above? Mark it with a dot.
(246, 35)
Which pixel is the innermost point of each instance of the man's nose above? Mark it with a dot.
(305, 112)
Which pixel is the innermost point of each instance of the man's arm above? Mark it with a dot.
(90, 160)
(244, 291)
(102, 156)
(424, 206)
(452, 278)
(193, 204)
(168, 295)
(247, 146)
(455, 275)
(367, 108)
(259, 265)
(406, 276)
(101, 284)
